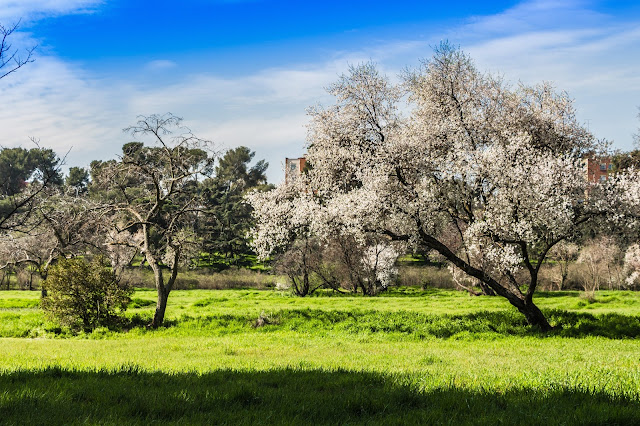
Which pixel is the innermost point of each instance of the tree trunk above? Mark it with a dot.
(534, 316)
(161, 307)
(163, 294)
(525, 305)
(305, 282)
(486, 290)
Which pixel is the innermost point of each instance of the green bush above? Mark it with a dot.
(85, 295)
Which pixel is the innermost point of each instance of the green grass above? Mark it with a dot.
(407, 357)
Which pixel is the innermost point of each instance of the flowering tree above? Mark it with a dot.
(500, 165)
(632, 265)
(378, 262)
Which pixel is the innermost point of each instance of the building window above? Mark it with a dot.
(603, 167)
(603, 178)
(610, 167)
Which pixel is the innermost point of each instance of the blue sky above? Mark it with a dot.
(243, 72)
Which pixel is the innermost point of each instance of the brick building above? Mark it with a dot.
(597, 169)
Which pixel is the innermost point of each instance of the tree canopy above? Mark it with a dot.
(225, 227)
(485, 174)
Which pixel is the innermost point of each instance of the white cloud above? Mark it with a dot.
(59, 105)
(67, 108)
(595, 59)
(13, 10)
(587, 54)
(533, 15)
(161, 65)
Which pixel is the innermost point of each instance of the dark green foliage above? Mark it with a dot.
(130, 395)
(77, 180)
(228, 219)
(18, 165)
(24, 174)
(84, 295)
(625, 160)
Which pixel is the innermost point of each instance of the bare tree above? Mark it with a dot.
(64, 227)
(10, 60)
(300, 264)
(153, 193)
(602, 264)
(15, 208)
(564, 253)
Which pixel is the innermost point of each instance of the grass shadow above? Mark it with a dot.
(288, 396)
(561, 293)
(414, 325)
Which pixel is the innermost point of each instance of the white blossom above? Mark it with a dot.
(488, 175)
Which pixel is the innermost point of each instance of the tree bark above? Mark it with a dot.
(161, 307)
(534, 316)
(163, 293)
(525, 305)
(486, 290)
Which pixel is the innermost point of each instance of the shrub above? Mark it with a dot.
(84, 295)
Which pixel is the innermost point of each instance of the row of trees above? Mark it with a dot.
(452, 161)
(168, 202)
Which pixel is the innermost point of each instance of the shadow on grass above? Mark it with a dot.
(415, 325)
(132, 396)
(554, 294)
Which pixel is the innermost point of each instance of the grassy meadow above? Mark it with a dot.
(265, 357)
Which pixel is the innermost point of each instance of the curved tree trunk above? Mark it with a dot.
(523, 303)
(161, 307)
(535, 316)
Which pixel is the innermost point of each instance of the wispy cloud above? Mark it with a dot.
(67, 108)
(534, 15)
(14, 10)
(161, 65)
(588, 54)
(594, 57)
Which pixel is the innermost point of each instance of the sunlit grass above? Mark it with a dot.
(405, 357)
